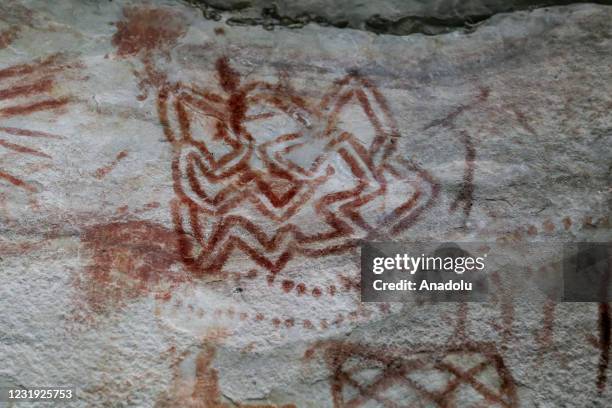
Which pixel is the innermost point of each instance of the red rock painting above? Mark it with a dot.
(471, 374)
(145, 29)
(200, 388)
(129, 260)
(27, 89)
(263, 172)
(261, 183)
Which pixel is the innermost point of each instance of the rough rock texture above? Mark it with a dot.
(398, 17)
(181, 200)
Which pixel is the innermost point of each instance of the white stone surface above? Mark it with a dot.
(94, 291)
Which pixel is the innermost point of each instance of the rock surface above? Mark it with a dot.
(398, 17)
(181, 200)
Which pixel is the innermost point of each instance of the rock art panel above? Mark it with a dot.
(129, 260)
(247, 188)
(218, 179)
(26, 89)
(471, 374)
(243, 188)
(196, 384)
(264, 173)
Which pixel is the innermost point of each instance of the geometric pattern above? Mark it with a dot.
(263, 173)
(27, 89)
(471, 374)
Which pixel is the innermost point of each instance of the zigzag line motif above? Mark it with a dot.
(245, 185)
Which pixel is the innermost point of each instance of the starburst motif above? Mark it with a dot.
(27, 89)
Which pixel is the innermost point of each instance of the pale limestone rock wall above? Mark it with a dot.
(180, 201)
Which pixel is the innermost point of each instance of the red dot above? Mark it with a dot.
(288, 285)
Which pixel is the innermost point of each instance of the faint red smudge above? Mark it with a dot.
(449, 119)
(462, 321)
(548, 226)
(146, 29)
(523, 121)
(545, 336)
(129, 260)
(19, 249)
(148, 207)
(588, 222)
(517, 235)
(8, 36)
(507, 309)
(384, 308)
(103, 171)
(567, 223)
(466, 194)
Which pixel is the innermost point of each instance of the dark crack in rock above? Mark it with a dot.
(394, 17)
